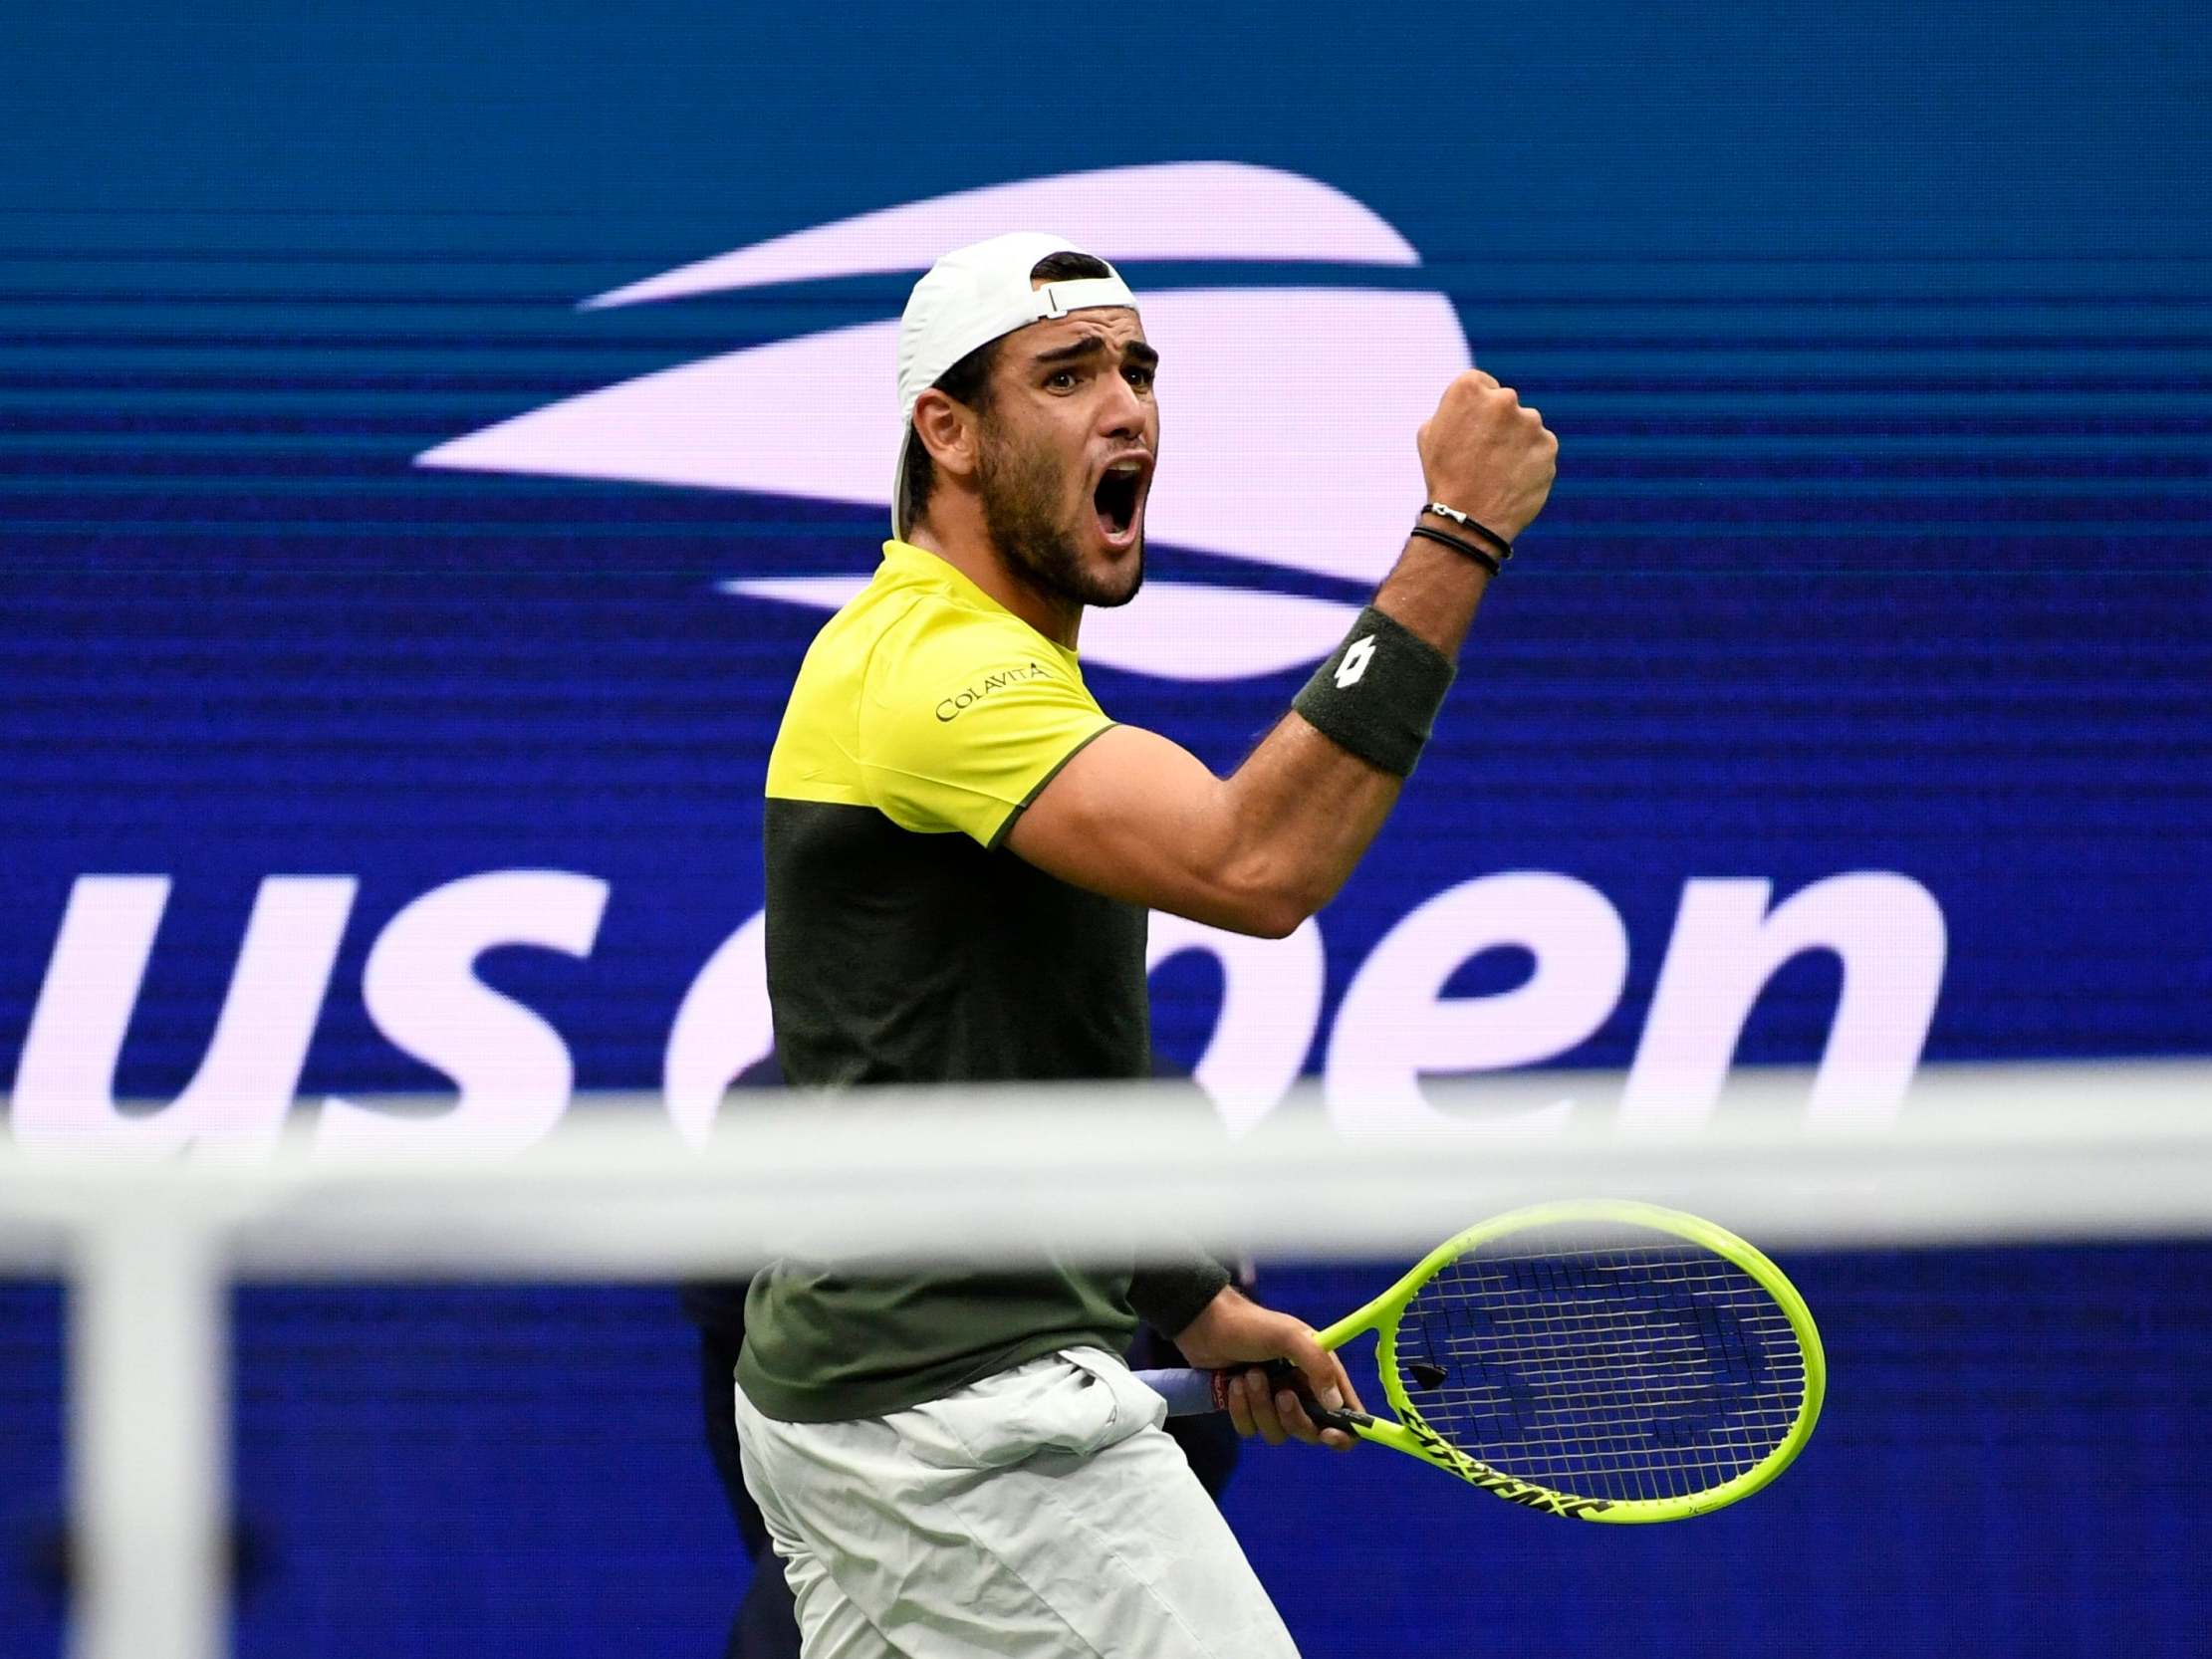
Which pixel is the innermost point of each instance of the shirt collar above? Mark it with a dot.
(908, 563)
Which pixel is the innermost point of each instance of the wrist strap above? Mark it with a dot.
(1483, 532)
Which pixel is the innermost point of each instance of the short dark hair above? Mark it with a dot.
(969, 381)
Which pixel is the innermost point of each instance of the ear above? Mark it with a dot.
(947, 428)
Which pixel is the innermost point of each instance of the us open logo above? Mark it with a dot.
(1259, 416)
(1289, 413)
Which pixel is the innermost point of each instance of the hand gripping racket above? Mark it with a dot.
(1609, 1361)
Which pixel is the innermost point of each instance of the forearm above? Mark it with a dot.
(1433, 592)
(1302, 810)
(1138, 818)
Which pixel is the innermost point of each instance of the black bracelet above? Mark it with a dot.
(1504, 546)
(1457, 546)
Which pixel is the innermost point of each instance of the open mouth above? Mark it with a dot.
(1115, 499)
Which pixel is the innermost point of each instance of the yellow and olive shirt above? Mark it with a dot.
(906, 945)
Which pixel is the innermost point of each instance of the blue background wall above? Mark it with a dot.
(1881, 346)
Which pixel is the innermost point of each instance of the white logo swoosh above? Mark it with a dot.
(1289, 413)
(1175, 630)
(1225, 210)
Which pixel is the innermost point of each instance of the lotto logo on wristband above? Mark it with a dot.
(1355, 664)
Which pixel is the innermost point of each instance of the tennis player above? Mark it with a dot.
(961, 850)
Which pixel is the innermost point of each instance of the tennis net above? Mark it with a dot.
(2003, 1269)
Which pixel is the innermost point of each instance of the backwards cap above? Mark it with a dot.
(970, 298)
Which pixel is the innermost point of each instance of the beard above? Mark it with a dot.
(1023, 489)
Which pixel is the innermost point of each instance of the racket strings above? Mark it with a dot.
(1627, 1368)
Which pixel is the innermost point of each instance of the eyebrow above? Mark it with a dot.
(1091, 346)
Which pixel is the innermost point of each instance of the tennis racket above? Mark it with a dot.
(1608, 1362)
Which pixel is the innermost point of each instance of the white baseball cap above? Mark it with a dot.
(970, 298)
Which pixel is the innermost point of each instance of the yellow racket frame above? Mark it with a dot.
(1413, 1436)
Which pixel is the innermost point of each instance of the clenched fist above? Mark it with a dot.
(1486, 454)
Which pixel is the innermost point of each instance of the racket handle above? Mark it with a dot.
(1188, 1394)
(1191, 1393)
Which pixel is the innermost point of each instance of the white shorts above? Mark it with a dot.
(1039, 1513)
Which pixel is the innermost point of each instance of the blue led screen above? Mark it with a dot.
(428, 441)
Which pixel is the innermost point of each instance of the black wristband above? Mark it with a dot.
(1465, 549)
(1378, 693)
(1167, 1296)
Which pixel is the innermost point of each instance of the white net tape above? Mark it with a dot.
(1977, 1155)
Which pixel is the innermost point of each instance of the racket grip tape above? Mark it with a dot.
(1188, 1393)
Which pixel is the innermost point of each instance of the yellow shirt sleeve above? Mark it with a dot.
(964, 717)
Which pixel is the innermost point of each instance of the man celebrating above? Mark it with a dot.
(961, 849)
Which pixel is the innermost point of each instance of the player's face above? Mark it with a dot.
(1066, 452)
